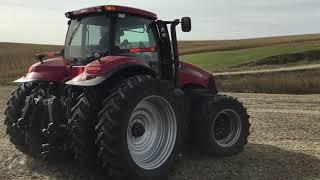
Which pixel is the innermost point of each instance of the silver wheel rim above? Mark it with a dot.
(151, 133)
(226, 128)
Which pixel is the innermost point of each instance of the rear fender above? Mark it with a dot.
(49, 70)
(193, 76)
(99, 71)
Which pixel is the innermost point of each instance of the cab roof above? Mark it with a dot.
(111, 8)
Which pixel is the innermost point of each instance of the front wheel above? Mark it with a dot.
(222, 126)
(140, 129)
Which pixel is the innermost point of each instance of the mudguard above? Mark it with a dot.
(49, 70)
(190, 75)
(98, 71)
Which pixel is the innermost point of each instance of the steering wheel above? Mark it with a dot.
(125, 44)
(141, 45)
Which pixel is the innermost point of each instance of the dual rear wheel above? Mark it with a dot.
(140, 128)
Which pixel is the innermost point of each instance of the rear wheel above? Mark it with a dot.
(37, 120)
(222, 126)
(82, 123)
(140, 129)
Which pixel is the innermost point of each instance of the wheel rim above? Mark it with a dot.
(152, 132)
(226, 128)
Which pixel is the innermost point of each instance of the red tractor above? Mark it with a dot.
(118, 97)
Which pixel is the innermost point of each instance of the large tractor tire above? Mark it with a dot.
(37, 120)
(83, 135)
(13, 112)
(140, 129)
(220, 125)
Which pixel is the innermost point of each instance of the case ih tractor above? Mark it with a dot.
(118, 97)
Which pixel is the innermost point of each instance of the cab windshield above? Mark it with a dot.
(111, 35)
(86, 36)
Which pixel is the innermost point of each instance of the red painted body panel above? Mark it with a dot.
(49, 70)
(96, 70)
(193, 75)
(58, 70)
(109, 63)
(188, 74)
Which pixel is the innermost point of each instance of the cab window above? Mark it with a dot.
(135, 33)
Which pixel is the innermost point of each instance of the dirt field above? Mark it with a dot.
(284, 144)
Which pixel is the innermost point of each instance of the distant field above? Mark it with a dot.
(220, 55)
(300, 81)
(191, 47)
(15, 58)
(223, 60)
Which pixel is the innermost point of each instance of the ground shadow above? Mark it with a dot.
(59, 169)
(258, 161)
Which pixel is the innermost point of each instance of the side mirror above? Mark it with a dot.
(186, 24)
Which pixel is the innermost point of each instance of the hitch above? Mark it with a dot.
(54, 128)
(56, 132)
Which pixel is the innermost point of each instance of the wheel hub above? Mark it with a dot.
(138, 129)
(222, 128)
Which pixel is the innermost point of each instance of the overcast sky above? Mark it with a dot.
(41, 21)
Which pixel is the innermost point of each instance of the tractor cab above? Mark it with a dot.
(103, 31)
